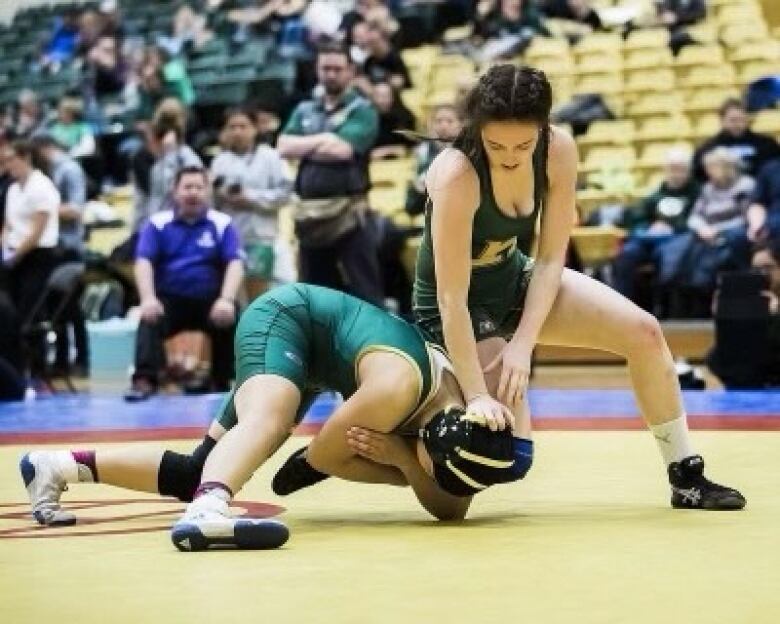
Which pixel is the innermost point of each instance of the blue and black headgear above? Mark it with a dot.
(467, 456)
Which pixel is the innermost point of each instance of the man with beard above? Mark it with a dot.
(332, 135)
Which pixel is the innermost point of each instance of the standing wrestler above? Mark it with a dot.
(489, 304)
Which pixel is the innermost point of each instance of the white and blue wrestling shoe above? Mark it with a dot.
(207, 523)
(45, 485)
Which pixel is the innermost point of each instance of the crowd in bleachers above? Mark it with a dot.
(659, 94)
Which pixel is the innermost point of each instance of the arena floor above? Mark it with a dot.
(588, 537)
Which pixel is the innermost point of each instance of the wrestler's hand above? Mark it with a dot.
(515, 362)
(495, 414)
(382, 448)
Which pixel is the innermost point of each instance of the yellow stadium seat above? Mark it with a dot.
(391, 171)
(424, 56)
(757, 69)
(666, 128)
(655, 104)
(599, 42)
(707, 100)
(765, 49)
(452, 60)
(646, 58)
(647, 38)
(597, 245)
(736, 35)
(699, 55)
(448, 76)
(767, 121)
(612, 157)
(704, 33)
(708, 76)
(543, 47)
(603, 84)
(608, 132)
(553, 66)
(650, 80)
(705, 126)
(654, 154)
(744, 12)
(414, 99)
(718, 4)
(598, 62)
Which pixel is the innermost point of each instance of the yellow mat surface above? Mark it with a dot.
(588, 537)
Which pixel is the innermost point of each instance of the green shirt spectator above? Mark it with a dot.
(354, 120)
(667, 204)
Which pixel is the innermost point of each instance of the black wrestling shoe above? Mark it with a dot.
(691, 490)
(296, 474)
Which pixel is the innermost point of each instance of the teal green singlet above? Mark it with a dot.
(315, 337)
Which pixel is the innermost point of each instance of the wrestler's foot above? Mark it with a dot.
(45, 484)
(691, 490)
(207, 523)
(296, 474)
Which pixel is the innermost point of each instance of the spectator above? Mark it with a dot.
(61, 47)
(268, 125)
(12, 384)
(110, 20)
(764, 212)
(393, 116)
(30, 231)
(90, 29)
(251, 183)
(166, 153)
(655, 219)
(678, 13)
(70, 131)
(510, 18)
(358, 50)
(29, 116)
(444, 126)
(718, 237)
(384, 64)
(753, 149)
(188, 271)
(332, 135)
(747, 327)
(368, 11)
(105, 68)
(189, 32)
(720, 214)
(574, 10)
(6, 180)
(766, 259)
(71, 183)
(158, 79)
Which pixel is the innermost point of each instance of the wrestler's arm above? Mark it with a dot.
(556, 225)
(393, 450)
(454, 191)
(377, 405)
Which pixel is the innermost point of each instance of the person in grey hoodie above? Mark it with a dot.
(251, 182)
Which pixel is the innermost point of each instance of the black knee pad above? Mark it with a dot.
(179, 475)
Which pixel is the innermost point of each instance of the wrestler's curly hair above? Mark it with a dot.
(504, 93)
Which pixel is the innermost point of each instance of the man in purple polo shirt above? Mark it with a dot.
(189, 267)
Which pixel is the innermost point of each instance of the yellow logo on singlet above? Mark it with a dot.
(493, 252)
